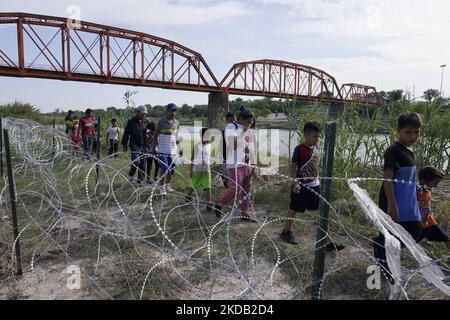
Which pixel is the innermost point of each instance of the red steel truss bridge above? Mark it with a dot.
(48, 47)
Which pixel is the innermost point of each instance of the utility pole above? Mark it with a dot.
(442, 77)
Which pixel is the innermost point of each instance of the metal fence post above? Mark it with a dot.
(13, 198)
(322, 228)
(53, 138)
(97, 166)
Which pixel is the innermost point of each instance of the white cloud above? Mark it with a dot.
(138, 12)
(400, 30)
(402, 43)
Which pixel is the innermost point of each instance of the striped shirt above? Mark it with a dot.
(168, 135)
(424, 202)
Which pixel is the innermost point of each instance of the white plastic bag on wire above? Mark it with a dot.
(384, 223)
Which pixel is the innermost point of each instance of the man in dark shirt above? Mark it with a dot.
(135, 137)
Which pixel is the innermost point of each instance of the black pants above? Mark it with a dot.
(413, 228)
(149, 161)
(94, 146)
(113, 147)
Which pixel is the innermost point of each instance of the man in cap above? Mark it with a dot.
(166, 137)
(134, 137)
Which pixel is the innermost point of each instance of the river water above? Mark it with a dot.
(280, 142)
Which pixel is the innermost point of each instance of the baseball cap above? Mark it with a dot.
(141, 109)
(172, 106)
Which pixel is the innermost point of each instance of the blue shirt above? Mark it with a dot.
(402, 160)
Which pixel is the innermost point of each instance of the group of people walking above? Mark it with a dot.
(157, 145)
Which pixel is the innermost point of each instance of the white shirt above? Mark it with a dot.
(252, 145)
(202, 157)
(113, 133)
(235, 158)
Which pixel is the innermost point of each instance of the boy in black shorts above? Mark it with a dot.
(429, 178)
(306, 189)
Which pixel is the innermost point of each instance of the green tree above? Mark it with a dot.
(431, 94)
(395, 96)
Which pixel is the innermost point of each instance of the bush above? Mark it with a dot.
(18, 109)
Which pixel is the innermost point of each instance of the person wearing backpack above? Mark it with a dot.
(238, 166)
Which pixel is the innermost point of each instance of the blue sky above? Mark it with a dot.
(387, 44)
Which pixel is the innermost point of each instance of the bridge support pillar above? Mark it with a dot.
(335, 110)
(217, 106)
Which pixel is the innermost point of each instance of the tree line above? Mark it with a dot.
(260, 107)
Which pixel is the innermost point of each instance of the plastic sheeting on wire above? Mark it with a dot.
(389, 228)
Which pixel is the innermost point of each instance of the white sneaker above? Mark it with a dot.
(169, 188)
(162, 191)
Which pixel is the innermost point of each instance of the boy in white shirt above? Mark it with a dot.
(113, 137)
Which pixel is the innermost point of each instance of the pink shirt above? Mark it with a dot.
(75, 139)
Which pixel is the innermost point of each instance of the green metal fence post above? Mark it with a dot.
(13, 198)
(322, 228)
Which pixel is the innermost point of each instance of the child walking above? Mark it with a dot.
(75, 141)
(306, 189)
(97, 135)
(200, 172)
(430, 178)
(113, 137)
(397, 199)
(151, 157)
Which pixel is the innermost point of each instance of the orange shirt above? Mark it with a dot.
(424, 202)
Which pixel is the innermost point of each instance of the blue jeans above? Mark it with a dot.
(167, 163)
(137, 162)
(87, 143)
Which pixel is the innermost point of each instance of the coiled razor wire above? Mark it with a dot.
(129, 242)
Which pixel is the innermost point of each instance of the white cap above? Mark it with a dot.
(141, 109)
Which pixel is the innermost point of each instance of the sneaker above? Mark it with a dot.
(188, 199)
(288, 236)
(169, 188)
(140, 184)
(130, 180)
(210, 208)
(149, 181)
(218, 210)
(162, 190)
(247, 218)
(333, 246)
